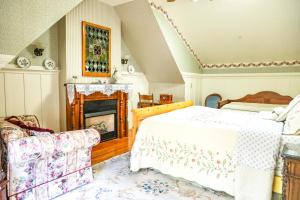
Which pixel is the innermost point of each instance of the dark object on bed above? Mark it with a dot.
(267, 97)
(291, 172)
(212, 100)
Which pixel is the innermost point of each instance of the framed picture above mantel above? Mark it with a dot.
(96, 50)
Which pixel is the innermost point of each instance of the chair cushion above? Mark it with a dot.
(28, 124)
(10, 131)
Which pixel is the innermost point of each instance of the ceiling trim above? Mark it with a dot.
(283, 63)
(254, 64)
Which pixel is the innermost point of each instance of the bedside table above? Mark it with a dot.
(291, 172)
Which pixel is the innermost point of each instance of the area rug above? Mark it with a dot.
(114, 181)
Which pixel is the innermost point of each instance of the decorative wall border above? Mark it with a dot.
(164, 12)
(254, 64)
(222, 65)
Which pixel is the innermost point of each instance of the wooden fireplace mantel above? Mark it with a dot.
(75, 121)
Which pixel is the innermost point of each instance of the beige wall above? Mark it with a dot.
(49, 41)
(232, 86)
(95, 12)
(236, 86)
(69, 32)
(177, 90)
(131, 61)
(22, 21)
(185, 61)
(146, 42)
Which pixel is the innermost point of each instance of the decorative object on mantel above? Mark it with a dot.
(115, 77)
(88, 89)
(96, 50)
(131, 69)
(49, 64)
(23, 62)
(74, 79)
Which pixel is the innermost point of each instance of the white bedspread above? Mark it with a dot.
(231, 151)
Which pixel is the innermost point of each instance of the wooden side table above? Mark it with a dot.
(291, 172)
(3, 195)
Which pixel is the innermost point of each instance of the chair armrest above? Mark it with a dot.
(41, 146)
(222, 103)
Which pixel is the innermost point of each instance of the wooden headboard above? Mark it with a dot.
(267, 97)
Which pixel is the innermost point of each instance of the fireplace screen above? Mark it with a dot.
(104, 124)
(102, 116)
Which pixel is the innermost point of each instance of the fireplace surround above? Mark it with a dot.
(108, 113)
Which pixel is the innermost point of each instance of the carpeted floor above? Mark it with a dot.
(114, 181)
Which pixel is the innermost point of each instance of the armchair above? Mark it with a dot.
(44, 166)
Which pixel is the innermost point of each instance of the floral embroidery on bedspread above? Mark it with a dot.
(191, 156)
(258, 141)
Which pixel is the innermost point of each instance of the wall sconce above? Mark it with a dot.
(125, 59)
(38, 49)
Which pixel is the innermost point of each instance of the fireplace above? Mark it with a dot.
(102, 115)
(106, 113)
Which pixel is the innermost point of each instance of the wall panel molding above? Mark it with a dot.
(238, 85)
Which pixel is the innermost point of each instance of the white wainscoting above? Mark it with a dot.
(2, 96)
(30, 92)
(237, 85)
(192, 87)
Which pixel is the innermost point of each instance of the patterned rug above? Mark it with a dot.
(114, 181)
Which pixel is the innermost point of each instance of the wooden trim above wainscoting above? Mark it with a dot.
(11, 68)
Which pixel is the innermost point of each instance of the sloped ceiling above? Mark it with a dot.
(234, 31)
(146, 42)
(23, 21)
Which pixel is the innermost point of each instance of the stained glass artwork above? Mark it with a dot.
(96, 51)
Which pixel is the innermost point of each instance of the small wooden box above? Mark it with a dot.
(291, 172)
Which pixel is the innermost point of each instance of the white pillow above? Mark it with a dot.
(292, 122)
(253, 107)
(288, 109)
(267, 115)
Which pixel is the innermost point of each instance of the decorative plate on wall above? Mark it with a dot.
(49, 64)
(23, 62)
(131, 69)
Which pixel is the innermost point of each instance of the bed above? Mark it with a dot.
(204, 145)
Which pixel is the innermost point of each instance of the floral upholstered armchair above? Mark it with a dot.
(43, 165)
